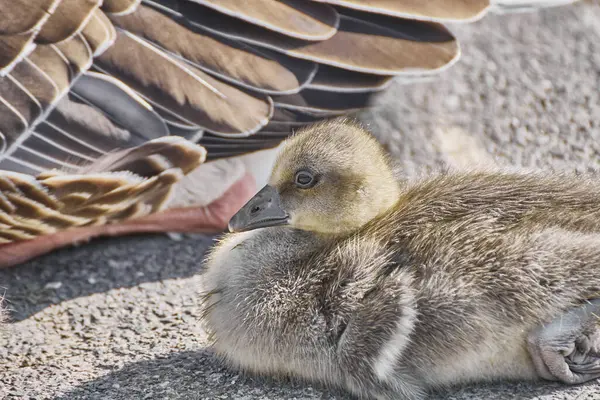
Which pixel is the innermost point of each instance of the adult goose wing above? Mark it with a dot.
(125, 98)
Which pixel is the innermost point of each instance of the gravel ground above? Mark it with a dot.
(118, 318)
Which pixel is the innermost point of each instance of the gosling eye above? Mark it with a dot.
(305, 179)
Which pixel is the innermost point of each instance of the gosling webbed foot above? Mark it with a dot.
(568, 348)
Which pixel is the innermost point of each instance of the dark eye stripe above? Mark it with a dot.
(304, 179)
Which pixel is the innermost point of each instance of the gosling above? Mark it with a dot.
(339, 274)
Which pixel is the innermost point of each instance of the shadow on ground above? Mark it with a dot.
(99, 266)
(198, 375)
(186, 375)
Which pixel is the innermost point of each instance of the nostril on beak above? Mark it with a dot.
(254, 209)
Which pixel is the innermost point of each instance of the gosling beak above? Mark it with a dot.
(263, 210)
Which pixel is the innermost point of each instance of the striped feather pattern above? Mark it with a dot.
(126, 184)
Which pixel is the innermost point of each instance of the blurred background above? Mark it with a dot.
(117, 318)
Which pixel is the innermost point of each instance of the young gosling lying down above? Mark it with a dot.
(389, 291)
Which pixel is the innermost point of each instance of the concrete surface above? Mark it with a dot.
(118, 319)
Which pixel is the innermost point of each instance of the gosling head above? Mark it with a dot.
(331, 178)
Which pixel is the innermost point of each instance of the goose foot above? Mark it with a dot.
(568, 348)
(211, 218)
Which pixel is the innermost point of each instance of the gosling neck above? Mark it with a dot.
(358, 214)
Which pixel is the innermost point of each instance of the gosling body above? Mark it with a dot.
(450, 283)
